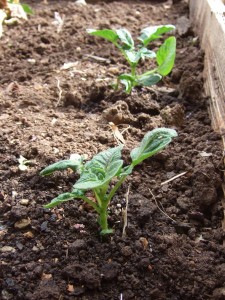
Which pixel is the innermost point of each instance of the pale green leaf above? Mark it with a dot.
(165, 56)
(152, 143)
(107, 34)
(125, 38)
(64, 198)
(152, 33)
(74, 164)
(148, 79)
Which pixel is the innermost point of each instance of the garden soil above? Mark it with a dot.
(56, 99)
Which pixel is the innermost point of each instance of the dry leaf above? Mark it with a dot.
(117, 134)
(70, 288)
(46, 276)
(144, 242)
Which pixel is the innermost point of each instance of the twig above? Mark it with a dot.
(97, 58)
(60, 92)
(175, 177)
(160, 208)
(124, 212)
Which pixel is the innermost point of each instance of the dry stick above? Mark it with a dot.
(160, 208)
(124, 212)
(60, 92)
(175, 177)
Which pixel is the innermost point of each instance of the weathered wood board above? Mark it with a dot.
(208, 19)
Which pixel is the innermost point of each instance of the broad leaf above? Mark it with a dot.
(152, 33)
(153, 142)
(101, 169)
(148, 79)
(125, 38)
(107, 34)
(64, 198)
(74, 164)
(165, 56)
(128, 81)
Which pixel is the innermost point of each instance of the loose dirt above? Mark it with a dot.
(173, 248)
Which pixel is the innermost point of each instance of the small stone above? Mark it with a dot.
(35, 248)
(7, 249)
(24, 202)
(28, 234)
(114, 70)
(22, 223)
(19, 246)
(44, 226)
(78, 245)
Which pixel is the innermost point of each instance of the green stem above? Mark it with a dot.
(103, 218)
(115, 188)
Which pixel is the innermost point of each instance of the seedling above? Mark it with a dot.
(164, 57)
(12, 11)
(97, 174)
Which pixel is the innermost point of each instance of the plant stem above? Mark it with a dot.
(113, 190)
(103, 216)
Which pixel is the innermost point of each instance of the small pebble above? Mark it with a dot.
(22, 223)
(24, 202)
(7, 249)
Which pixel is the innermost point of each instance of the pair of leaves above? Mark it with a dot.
(152, 33)
(148, 35)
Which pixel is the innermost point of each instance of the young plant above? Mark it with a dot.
(11, 12)
(164, 57)
(97, 174)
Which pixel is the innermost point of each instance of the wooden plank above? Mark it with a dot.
(208, 19)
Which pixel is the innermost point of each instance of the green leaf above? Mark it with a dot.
(165, 56)
(101, 169)
(27, 9)
(128, 81)
(63, 198)
(74, 164)
(152, 143)
(148, 79)
(107, 34)
(126, 38)
(132, 56)
(152, 33)
(146, 53)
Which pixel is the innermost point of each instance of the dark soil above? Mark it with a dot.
(47, 113)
